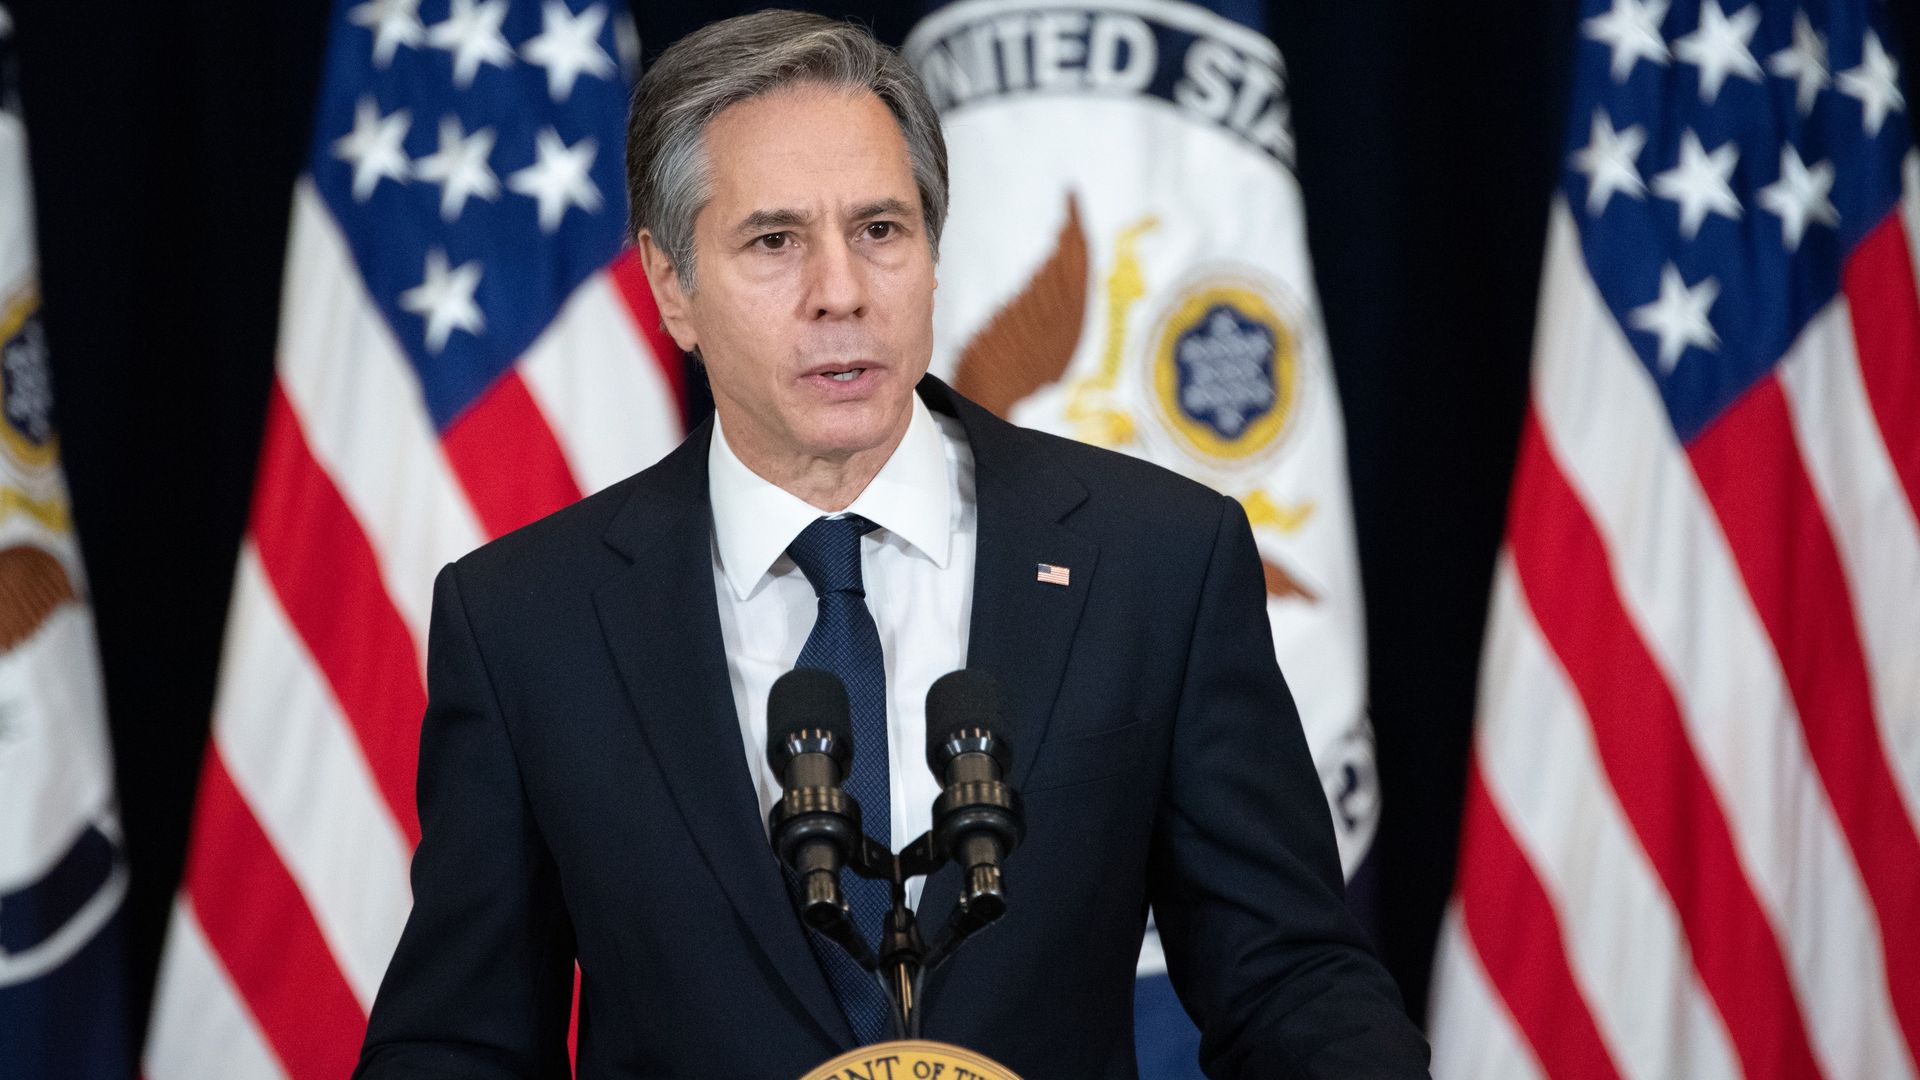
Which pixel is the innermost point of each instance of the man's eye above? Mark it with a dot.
(880, 230)
(773, 241)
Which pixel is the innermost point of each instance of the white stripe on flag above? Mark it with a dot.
(301, 771)
(1910, 207)
(1473, 1034)
(615, 415)
(365, 421)
(200, 1030)
(1867, 513)
(1606, 423)
(1624, 941)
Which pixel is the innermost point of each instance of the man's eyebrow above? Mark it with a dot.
(766, 221)
(888, 207)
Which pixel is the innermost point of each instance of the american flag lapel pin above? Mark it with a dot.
(1051, 574)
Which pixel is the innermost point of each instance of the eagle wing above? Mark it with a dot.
(32, 585)
(1029, 342)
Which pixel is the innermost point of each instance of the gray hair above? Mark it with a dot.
(734, 60)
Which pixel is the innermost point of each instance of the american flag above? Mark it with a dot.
(464, 346)
(1689, 845)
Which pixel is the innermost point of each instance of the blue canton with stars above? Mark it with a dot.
(1723, 159)
(471, 151)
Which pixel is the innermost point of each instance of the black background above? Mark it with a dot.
(165, 139)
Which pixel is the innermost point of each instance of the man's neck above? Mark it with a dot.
(827, 483)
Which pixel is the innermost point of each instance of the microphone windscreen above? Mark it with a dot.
(808, 698)
(964, 699)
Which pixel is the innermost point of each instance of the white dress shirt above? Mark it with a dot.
(917, 568)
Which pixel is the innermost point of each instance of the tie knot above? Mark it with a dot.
(828, 552)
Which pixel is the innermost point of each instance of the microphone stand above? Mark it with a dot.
(977, 822)
(904, 958)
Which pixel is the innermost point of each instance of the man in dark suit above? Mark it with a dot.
(591, 785)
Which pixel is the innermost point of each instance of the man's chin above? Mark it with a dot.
(847, 432)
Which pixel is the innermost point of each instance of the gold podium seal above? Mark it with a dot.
(911, 1059)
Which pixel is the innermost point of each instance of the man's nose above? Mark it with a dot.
(839, 287)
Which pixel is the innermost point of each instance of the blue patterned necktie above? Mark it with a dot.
(845, 642)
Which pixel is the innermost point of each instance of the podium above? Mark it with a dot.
(911, 1059)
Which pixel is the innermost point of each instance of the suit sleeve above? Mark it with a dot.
(481, 983)
(1245, 880)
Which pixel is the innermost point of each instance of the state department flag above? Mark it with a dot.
(464, 347)
(1690, 843)
(1126, 264)
(63, 876)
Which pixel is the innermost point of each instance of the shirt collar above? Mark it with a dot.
(754, 521)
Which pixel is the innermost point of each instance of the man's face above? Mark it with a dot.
(813, 306)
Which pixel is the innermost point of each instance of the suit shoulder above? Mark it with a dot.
(571, 544)
(558, 542)
(1130, 486)
(1119, 487)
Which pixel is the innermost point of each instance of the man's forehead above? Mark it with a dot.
(808, 95)
(809, 136)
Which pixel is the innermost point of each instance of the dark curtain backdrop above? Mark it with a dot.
(165, 141)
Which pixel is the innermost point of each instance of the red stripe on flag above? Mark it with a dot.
(1885, 305)
(631, 278)
(259, 926)
(1750, 466)
(1514, 929)
(573, 1024)
(323, 569)
(1643, 744)
(507, 458)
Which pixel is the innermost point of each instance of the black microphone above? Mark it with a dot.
(815, 826)
(977, 820)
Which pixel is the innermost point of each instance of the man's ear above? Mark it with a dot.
(668, 294)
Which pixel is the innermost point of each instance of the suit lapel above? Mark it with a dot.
(1021, 629)
(661, 620)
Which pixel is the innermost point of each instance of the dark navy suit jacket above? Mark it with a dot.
(584, 794)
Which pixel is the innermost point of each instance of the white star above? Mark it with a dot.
(460, 166)
(1799, 197)
(373, 147)
(626, 42)
(1718, 47)
(568, 46)
(394, 23)
(445, 300)
(558, 178)
(1876, 82)
(1805, 62)
(472, 35)
(1679, 317)
(1631, 29)
(1608, 161)
(1699, 183)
